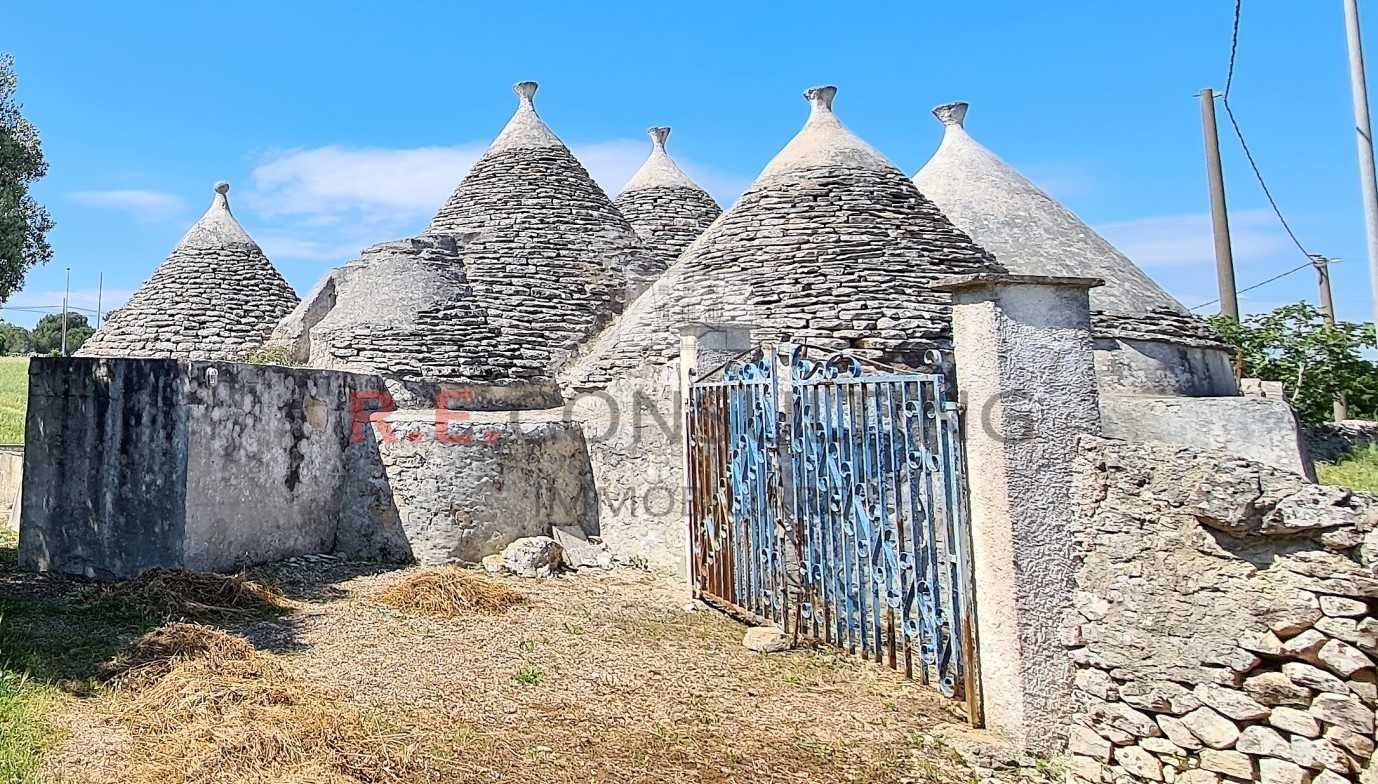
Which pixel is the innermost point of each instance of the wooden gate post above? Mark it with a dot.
(1026, 378)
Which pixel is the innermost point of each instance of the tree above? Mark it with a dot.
(24, 223)
(14, 339)
(1315, 360)
(47, 333)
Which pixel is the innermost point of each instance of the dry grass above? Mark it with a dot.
(448, 592)
(204, 706)
(152, 656)
(177, 594)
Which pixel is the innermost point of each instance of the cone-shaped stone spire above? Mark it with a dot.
(832, 246)
(552, 259)
(667, 209)
(1031, 233)
(216, 296)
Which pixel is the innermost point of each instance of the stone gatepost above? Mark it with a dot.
(1026, 377)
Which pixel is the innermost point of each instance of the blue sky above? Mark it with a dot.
(342, 124)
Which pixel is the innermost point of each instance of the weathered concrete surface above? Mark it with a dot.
(466, 486)
(133, 464)
(11, 482)
(1223, 620)
(1025, 369)
(1256, 428)
(1143, 367)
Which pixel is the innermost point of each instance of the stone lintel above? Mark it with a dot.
(984, 280)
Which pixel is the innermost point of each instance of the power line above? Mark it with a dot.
(1253, 164)
(1278, 276)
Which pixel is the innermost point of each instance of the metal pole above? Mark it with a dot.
(100, 292)
(1220, 220)
(65, 292)
(1363, 138)
(1341, 407)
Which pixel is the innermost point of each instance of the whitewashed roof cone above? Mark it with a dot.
(552, 258)
(667, 208)
(216, 296)
(1031, 233)
(831, 246)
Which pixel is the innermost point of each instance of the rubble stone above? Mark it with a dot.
(1345, 711)
(1276, 688)
(1211, 728)
(1229, 702)
(1313, 677)
(1262, 741)
(1230, 763)
(1139, 763)
(532, 556)
(1342, 658)
(1295, 721)
(1083, 741)
(1342, 607)
(1177, 732)
(1277, 771)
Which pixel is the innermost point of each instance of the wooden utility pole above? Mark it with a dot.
(1322, 265)
(1363, 138)
(1220, 220)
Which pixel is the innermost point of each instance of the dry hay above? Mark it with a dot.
(448, 592)
(221, 714)
(152, 656)
(180, 594)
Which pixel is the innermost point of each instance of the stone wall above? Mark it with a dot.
(1329, 442)
(1225, 622)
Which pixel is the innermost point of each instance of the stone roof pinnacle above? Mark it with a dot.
(952, 114)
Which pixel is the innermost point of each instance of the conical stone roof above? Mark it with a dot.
(831, 246)
(1030, 233)
(552, 258)
(216, 296)
(667, 209)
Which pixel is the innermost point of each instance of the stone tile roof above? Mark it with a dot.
(405, 310)
(216, 296)
(552, 258)
(667, 209)
(832, 246)
(1031, 233)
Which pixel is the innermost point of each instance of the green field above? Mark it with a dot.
(14, 396)
(1357, 471)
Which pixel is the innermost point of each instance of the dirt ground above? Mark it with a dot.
(600, 676)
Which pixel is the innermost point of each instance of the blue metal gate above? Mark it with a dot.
(836, 510)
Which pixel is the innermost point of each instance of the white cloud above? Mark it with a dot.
(147, 205)
(328, 203)
(1186, 240)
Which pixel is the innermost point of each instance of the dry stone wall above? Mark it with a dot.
(1225, 626)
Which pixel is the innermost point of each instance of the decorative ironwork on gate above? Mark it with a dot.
(835, 510)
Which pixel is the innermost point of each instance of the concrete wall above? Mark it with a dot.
(1150, 367)
(105, 467)
(215, 466)
(1260, 429)
(466, 487)
(1224, 625)
(634, 431)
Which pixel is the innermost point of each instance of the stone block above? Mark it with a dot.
(1230, 702)
(532, 556)
(1230, 763)
(1295, 721)
(1343, 710)
(1163, 746)
(1313, 677)
(1262, 741)
(1098, 683)
(1139, 762)
(1086, 743)
(1360, 746)
(1197, 776)
(1159, 697)
(1119, 716)
(766, 639)
(1276, 688)
(1342, 658)
(1319, 755)
(1277, 771)
(1211, 728)
(1177, 732)
(1305, 646)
